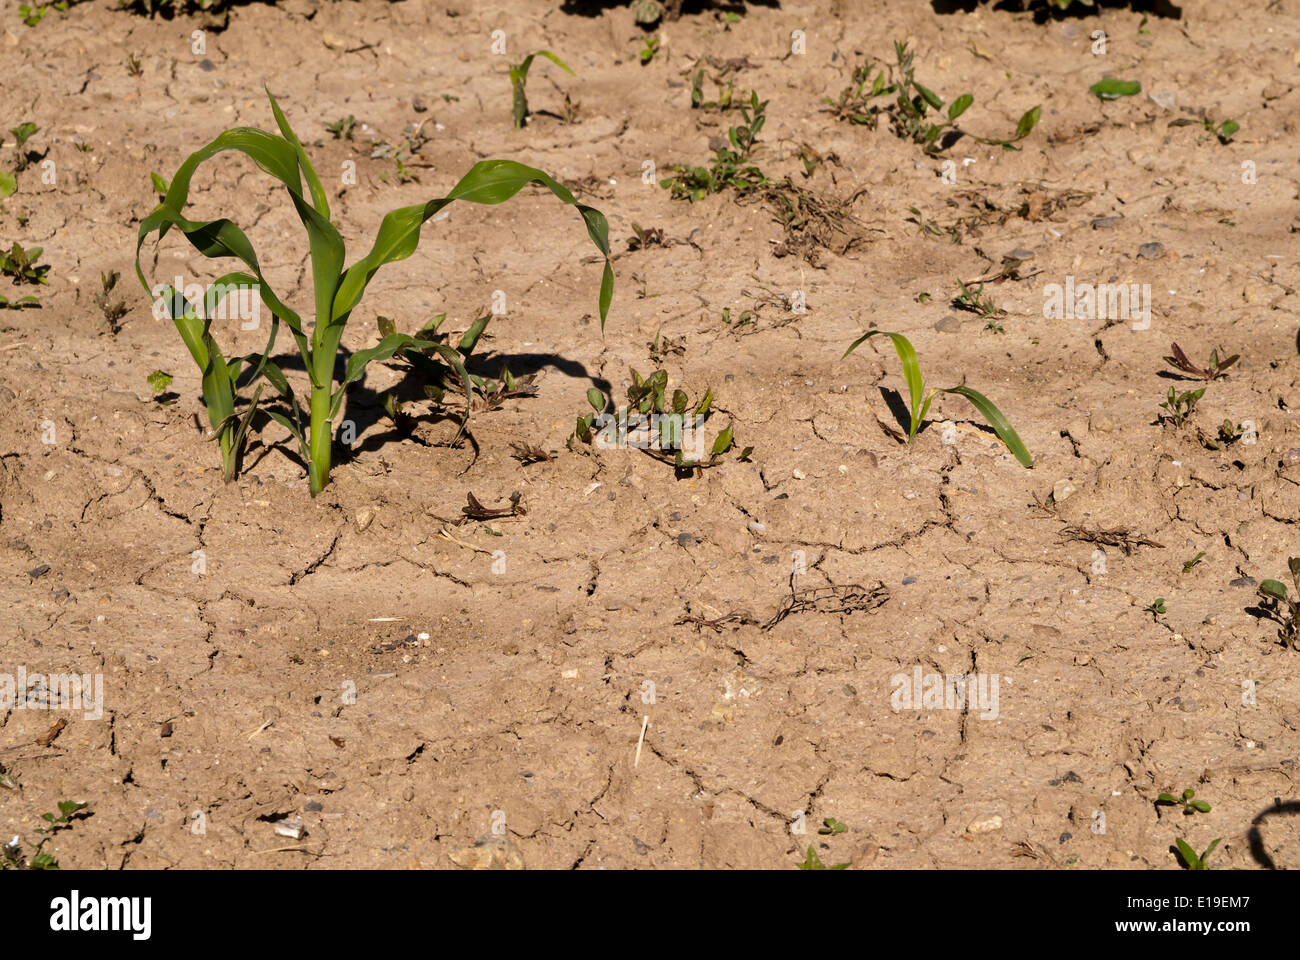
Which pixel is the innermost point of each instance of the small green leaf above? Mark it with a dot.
(724, 441)
(8, 184)
(1273, 588)
(596, 399)
(1112, 88)
(159, 381)
(960, 106)
(1028, 121)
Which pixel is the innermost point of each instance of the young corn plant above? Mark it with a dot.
(921, 399)
(337, 289)
(519, 81)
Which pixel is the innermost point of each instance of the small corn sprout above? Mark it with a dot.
(921, 400)
(337, 290)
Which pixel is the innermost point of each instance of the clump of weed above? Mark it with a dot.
(23, 157)
(12, 856)
(731, 166)
(921, 400)
(910, 114)
(814, 862)
(342, 128)
(657, 423)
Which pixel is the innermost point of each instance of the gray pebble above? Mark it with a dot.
(1243, 582)
(1105, 223)
(949, 324)
(685, 539)
(908, 581)
(1151, 250)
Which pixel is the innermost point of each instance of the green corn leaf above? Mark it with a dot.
(1001, 426)
(488, 182)
(911, 370)
(1188, 854)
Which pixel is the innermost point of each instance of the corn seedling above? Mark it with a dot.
(730, 167)
(1189, 857)
(519, 82)
(1284, 607)
(1214, 371)
(1190, 805)
(921, 399)
(337, 290)
(1112, 89)
(813, 862)
(1180, 406)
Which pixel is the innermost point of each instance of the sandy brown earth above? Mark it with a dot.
(226, 691)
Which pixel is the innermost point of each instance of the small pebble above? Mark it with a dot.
(1243, 582)
(1151, 251)
(685, 539)
(1105, 223)
(949, 324)
(908, 581)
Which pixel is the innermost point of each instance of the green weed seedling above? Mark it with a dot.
(976, 301)
(1156, 608)
(1189, 565)
(337, 290)
(159, 381)
(730, 166)
(113, 311)
(813, 862)
(11, 853)
(1179, 406)
(519, 81)
(921, 399)
(649, 50)
(32, 14)
(911, 111)
(342, 129)
(20, 266)
(1217, 368)
(1190, 805)
(830, 827)
(1224, 131)
(1285, 608)
(1189, 857)
(1112, 89)
(23, 157)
